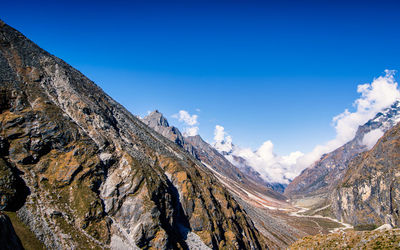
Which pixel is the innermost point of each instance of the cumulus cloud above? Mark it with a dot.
(222, 141)
(185, 117)
(191, 131)
(189, 121)
(374, 97)
(272, 168)
(378, 95)
(372, 137)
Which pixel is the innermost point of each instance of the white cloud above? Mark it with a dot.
(375, 97)
(219, 133)
(223, 141)
(380, 94)
(191, 131)
(189, 120)
(372, 137)
(185, 117)
(272, 167)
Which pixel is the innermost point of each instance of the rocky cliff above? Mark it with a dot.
(325, 174)
(369, 194)
(81, 171)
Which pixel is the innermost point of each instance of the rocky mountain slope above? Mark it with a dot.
(369, 193)
(324, 175)
(81, 171)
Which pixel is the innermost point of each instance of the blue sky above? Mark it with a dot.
(263, 70)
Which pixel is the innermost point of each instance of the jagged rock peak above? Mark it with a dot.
(156, 118)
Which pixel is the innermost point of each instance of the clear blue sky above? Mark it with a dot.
(263, 70)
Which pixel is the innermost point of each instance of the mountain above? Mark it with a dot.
(324, 175)
(82, 172)
(368, 195)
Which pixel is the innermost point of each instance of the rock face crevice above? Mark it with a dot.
(97, 174)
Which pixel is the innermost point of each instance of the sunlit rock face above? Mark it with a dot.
(92, 175)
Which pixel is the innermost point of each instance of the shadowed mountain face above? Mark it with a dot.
(324, 175)
(93, 174)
